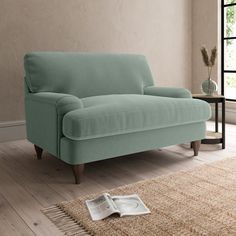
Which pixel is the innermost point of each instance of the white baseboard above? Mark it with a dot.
(230, 115)
(12, 130)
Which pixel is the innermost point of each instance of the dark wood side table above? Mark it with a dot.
(215, 137)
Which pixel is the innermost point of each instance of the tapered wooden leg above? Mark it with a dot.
(196, 146)
(78, 172)
(191, 145)
(38, 151)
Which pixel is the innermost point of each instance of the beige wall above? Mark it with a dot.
(159, 29)
(205, 31)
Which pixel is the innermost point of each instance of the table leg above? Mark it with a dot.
(216, 117)
(223, 124)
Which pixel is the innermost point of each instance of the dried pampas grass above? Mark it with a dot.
(209, 61)
(213, 56)
(205, 56)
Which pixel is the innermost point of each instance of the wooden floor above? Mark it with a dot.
(28, 185)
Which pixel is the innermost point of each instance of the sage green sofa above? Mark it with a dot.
(88, 107)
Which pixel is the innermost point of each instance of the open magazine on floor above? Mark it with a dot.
(106, 205)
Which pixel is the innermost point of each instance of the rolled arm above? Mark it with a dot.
(44, 114)
(62, 103)
(167, 92)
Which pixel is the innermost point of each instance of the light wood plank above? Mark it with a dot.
(55, 173)
(11, 223)
(26, 206)
(28, 178)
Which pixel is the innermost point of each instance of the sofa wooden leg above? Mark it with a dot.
(78, 172)
(196, 146)
(38, 151)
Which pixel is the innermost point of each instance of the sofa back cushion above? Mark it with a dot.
(85, 74)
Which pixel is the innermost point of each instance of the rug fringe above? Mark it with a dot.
(64, 222)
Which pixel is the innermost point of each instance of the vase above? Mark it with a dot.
(209, 87)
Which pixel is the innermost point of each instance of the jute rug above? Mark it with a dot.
(201, 201)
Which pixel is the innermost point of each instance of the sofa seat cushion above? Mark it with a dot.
(119, 114)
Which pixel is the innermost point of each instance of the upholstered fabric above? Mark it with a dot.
(84, 74)
(167, 92)
(44, 113)
(84, 151)
(119, 114)
(85, 107)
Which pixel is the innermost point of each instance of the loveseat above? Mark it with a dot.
(83, 107)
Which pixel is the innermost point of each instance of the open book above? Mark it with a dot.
(106, 205)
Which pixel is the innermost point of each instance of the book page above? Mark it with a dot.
(130, 205)
(101, 207)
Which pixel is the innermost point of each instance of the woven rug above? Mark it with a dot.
(201, 201)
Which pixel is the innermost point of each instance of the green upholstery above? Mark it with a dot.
(85, 75)
(87, 107)
(120, 114)
(89, 150)
(44, 114)
(167, 92)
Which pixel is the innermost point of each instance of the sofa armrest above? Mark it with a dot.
(44, 114)
(62, 103)
(167, 92)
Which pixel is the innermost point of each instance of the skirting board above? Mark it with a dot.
(230, 115)
(12, 130)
